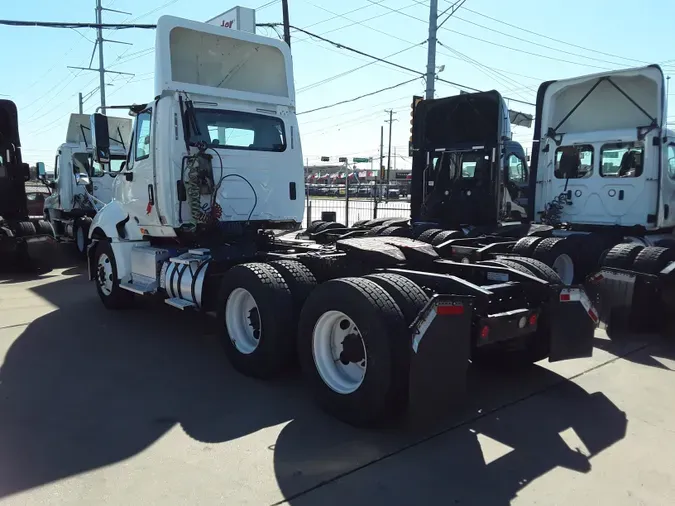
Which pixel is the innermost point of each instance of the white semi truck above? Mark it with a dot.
(205, 215)
(600, 192)
(81, 187)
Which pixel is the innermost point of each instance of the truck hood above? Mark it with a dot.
(9, 123)
(461, 121)
(621, 99)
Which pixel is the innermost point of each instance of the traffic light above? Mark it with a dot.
(415, 101)
(381, 173)
(325, 159)
(342, 159)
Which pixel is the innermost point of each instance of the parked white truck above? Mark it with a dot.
(205, 216)
(81, 186)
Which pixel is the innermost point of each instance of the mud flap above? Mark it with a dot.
(573, 320)
(439, 358)
(626, 300)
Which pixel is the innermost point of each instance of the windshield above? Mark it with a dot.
(240, 130)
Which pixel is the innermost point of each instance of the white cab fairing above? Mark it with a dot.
(203, 59)
(606, 129)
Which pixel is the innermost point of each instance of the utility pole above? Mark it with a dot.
(390, 121)
(99, 44)
(287, 28)
(431, 47)
(99, 41)
(80, 102)
(379, 169)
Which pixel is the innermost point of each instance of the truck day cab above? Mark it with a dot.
(81, 186)
(205, 215)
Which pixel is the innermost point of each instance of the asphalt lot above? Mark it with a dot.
(141, 407)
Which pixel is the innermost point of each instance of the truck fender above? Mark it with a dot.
(114, 222)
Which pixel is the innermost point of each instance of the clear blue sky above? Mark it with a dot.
(614, 34)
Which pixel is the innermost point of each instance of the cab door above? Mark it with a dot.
(667, 204)
(136, 188)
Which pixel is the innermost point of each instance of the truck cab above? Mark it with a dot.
(217, 152)
(467, 171)
(603, 153)
(82, 186)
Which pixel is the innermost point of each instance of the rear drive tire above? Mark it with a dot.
(622, 256)
(377, 230)
(419, 229)
(539, 269)
(313, 226)
(428, 235)
(255, 314)
(409, 297)
(43, 227)
(653, 260)
(558, 254)
(300, 281)
(446, 235)
(353, 351)
(511, 265)
(328, 225)
(24, 229)
(526, 245)
(396, 231)
(107, 283)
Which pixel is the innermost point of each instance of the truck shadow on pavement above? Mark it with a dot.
(513, 431)
(83, 387)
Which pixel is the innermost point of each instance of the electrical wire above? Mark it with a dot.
(359, 97)
(523, 29)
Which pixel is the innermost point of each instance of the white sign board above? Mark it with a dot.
(238, 18)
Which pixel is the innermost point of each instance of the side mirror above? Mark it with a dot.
(100, 138)
(25, 169)
(40, 170)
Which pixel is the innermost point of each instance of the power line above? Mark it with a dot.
(495, 43)
(522, 29)
(382, 60)
(49, 24)
(360, 96)
(347, 72)
(536, 43)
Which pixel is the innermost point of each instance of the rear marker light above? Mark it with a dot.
(522, 322)
(449, 310)
(593, 315)
(564, 297)
(533, 320)
(484, 332)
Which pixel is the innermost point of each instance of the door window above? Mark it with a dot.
(623, 159)
(574, 162)
(142, 148)
(517, 172)
(671, 161)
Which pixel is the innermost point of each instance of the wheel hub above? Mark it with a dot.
(242, 320)
(352, 349)
(339, 352)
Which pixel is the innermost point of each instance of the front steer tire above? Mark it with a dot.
(276, 333)
(112, 295)
(382, 327)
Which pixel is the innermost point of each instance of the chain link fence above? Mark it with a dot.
(350, 211)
